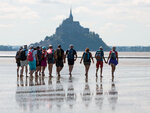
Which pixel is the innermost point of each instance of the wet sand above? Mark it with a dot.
(128, 93)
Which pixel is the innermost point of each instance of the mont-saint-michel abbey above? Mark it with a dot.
(71, 32)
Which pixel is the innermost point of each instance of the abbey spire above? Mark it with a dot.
(70, 16)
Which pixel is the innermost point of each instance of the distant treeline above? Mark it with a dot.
(133, 48)
(119, 48)
(8, 48)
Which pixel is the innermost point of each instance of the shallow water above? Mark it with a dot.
(128, 93)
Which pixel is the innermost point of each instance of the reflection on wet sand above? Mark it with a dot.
(99, 97)
(71, 95)
(36, 93)
(86, 95)
(113, 96)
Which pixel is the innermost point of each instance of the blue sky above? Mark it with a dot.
(118, 22)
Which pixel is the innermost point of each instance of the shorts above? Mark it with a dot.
(99, 63)
(111, 61)
(24, 63)
(87, 63)
(59, 63)
(18, 63)
(70, 62)
(43, 63)
(32, 65)
(50, 61)
(38, 64)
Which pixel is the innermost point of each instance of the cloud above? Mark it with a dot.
(9, 11)
(59, 17)
(6, 25)
(111, 27)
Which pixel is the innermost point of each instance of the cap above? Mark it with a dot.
(101, 47)
(43, 47)
(71, 45)
(50, 46)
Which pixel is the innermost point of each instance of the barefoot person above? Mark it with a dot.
(23, 60)
(32, 59)
(38, 65)
(71, 56)
(60, 59)
(86, 57)
(99, 55)
(50, 59)
(113, 59)
(17, 57)
(44, 60)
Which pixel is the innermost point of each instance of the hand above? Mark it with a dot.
(106, 62)
(80, 62)
(64, 61)
(75, 59)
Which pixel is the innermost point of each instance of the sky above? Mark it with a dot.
(118, 22)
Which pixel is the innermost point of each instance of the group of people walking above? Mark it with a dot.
(39, 57)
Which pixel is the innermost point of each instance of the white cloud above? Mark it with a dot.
(6, 25)
(59, 17)
(111, 27)
(9, 11)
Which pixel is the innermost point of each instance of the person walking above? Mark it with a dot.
(23, 60)
(44, 60)
(50, 59)
(86, 57)
(60, 59)
(99, 55)
(17, 57)
(113, 60)
(38, 64)
(32, 59)
(71, 56)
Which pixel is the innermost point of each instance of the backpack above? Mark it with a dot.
(23, 55)
(99, 55)
(18, 56)
(30, 55)
(113, 55)
(58, 54)
(70, 54)
(50, 55)
(86, 57)
(39, 55)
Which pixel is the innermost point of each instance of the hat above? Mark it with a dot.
(43, 47)
(101, 47)
(71, 45)
(59, 45)
(50, 46)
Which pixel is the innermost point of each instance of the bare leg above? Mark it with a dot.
(43, 70)
(113, 69)
(96, 71)
(70, 69)
(101, 72)
(17, 71)
(50, 67)
(87, 70)
(22, 69)
(26, 70)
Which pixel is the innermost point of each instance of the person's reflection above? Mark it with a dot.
(113, 96)
(86, 96)
(51, 96)
(99, 94)
(21, 81)
(41, 80)
(71, 95)
(31, 81)
(60, 93)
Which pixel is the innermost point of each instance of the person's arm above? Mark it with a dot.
(81, 58)
(75, 56)
(108, 57)
(117, 57)
(92, 57)
(104, 58)
(64, 57)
